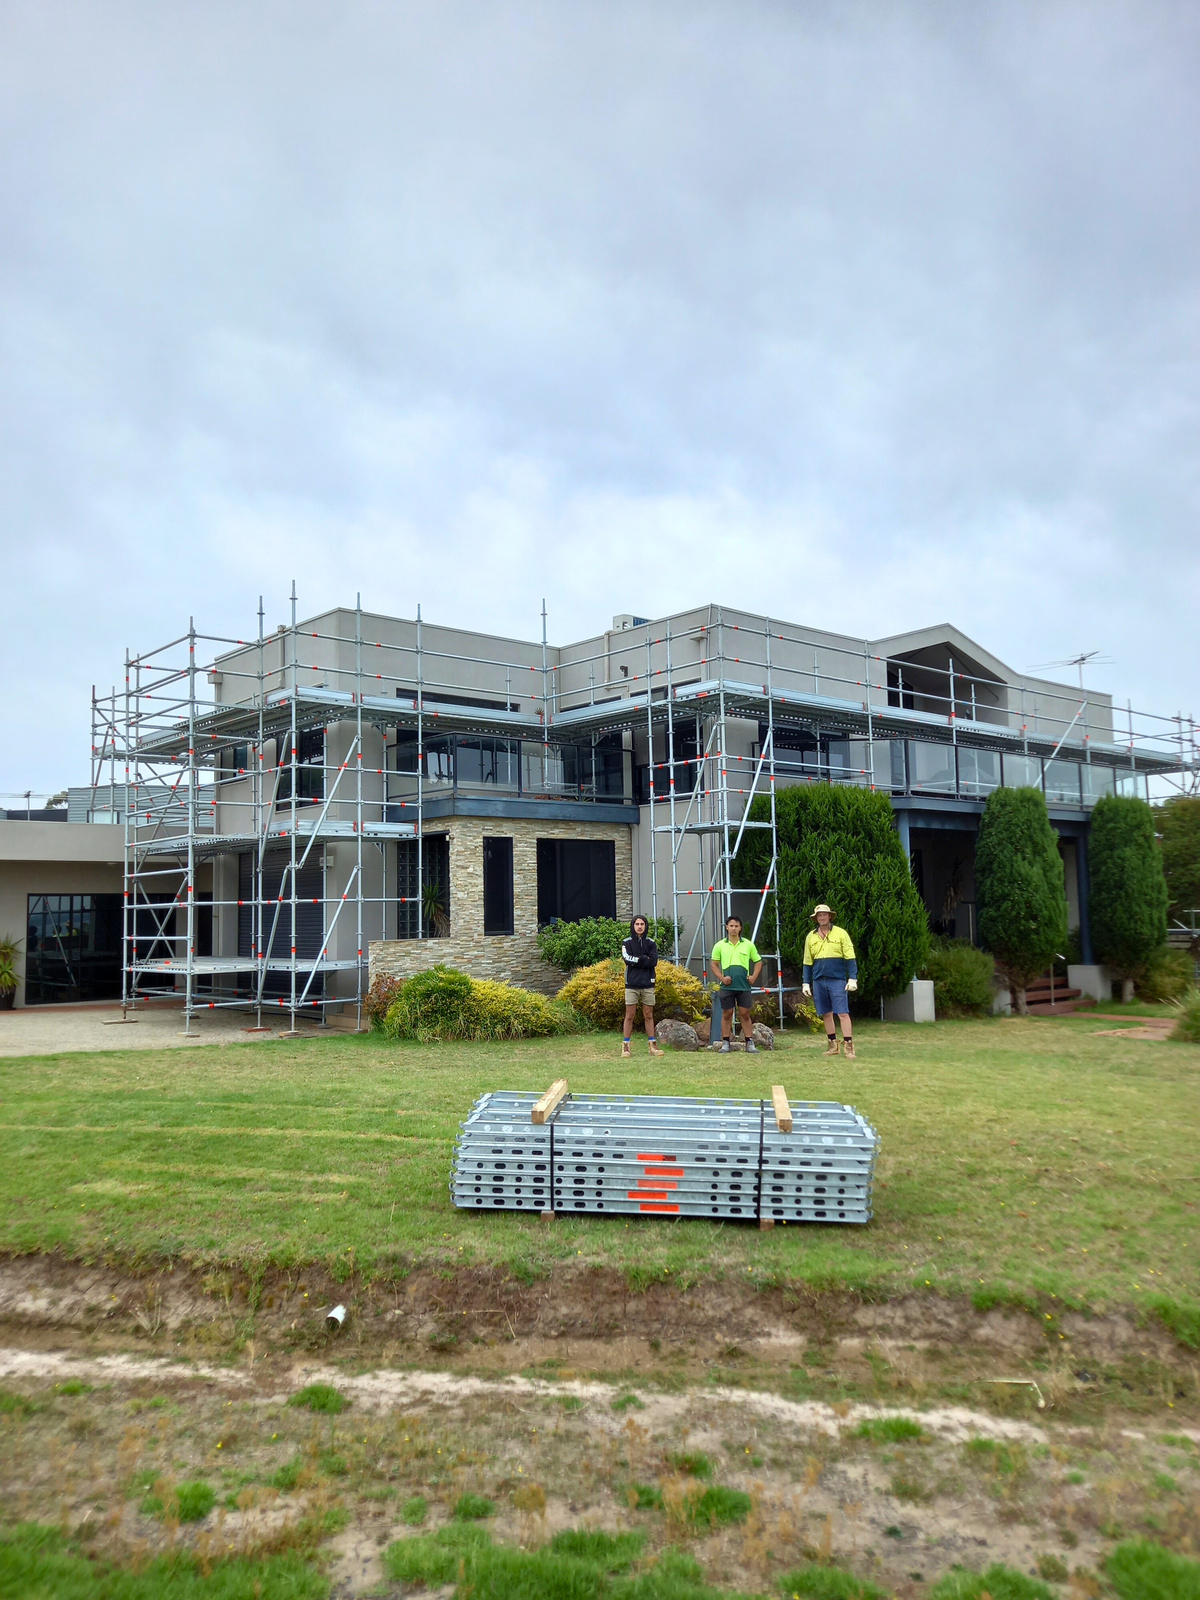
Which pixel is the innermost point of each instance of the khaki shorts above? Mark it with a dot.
(639, 997)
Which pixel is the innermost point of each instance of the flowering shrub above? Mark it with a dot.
(443, 1004)
(598, 992)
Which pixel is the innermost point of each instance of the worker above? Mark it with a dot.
(830, 969)
(733, 959)
(640, 955)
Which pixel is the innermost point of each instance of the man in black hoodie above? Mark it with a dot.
(640, 955)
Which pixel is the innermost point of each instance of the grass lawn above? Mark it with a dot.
(1022, 1158)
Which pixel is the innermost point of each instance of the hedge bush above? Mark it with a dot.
(598, 992)
(962, 978)
(444, 1004)
(1019, 888)
(839, 844)
(568, 945)
(1127, 900)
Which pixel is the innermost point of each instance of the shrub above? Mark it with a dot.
(599, 993)
(568, 945)
(384, 991)
(432, 1005)
(503, 1011)
(1127, 902)
(444, 1004)
(1019, 887)
(1167, 975)
(839, 844)
(962, 978)
(1187, 1029)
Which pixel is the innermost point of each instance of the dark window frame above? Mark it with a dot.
(576, 878)
(498, 897)
(73, 947)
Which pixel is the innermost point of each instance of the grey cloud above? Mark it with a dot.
(882, 311)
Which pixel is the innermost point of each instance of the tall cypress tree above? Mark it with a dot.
(1178, 824)
(1127, 904)
(1019, 888)
(838, 844)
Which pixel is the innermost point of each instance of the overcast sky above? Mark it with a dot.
(870, 315)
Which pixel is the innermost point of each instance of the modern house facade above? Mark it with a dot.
(357, 793)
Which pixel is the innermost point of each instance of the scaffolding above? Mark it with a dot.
(276, 791)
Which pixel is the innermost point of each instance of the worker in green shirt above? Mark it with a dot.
(737, 964)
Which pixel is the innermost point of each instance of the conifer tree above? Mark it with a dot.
(1019, 888)
(1178, 824)
(1127, 904)
(839, 844)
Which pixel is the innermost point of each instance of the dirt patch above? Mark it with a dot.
(898, 1493)
(588, 1317)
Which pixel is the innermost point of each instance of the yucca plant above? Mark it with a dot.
(433, 913)
(8, 982)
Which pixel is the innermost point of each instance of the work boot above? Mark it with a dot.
(849, 1050)
(831, 1049)
(654, 1049)
(626, 1052)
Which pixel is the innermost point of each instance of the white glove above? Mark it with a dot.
(852, 984)
(806, 991)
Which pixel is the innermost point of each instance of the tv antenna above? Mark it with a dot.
(1086, 658)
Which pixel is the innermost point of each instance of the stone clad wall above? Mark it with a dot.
(509, 958)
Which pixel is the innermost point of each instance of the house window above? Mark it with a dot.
(424, 901)
(1022, 772)
(234, 761)
(931, 767)
(310, 767)
(497, 886)
(1097, 782)
(1062, 782)
(72, 948)
(978, 771)
(576, 878)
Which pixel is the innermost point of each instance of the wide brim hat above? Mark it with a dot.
(821, 907)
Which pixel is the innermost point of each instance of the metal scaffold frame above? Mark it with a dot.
(206, 741)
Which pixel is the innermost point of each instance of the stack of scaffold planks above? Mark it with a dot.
(762, 1161)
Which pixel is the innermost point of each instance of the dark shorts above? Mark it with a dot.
(727, 998)
(829, 994)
